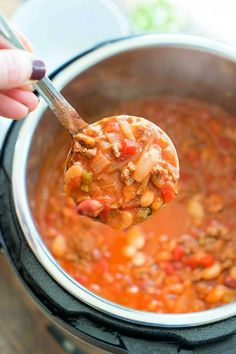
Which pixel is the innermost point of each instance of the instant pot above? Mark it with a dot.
(95, 82)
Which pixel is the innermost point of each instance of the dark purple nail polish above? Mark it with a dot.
(38, 70)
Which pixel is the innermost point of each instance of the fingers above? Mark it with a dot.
(17, 67)
(22, 96)
(10, 108)
(17, 103)
(4, 44)
(28, 87)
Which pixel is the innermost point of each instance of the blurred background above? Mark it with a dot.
(62, 21)
(213, 18)
(60, 29)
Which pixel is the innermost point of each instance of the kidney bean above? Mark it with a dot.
(178, 253)
(90, 207)
(230, 282)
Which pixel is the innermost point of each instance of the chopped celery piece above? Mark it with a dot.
(86, 177)
(84, 187)
(202, 240)
(144, 213)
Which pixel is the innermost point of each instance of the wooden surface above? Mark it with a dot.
(23, 327)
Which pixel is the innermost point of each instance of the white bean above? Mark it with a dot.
(216, 294)
(212, 272)
(126, 219)
(74, 171)
(135, 238)
(196, 209)
(139, 259)
(146, 199)
(58, 246)
(129, 251)
(157, 203)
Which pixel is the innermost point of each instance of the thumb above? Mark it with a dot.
(17, 67)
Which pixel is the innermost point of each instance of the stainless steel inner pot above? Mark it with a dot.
(133, 68)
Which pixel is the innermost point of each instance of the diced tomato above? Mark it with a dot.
(207, 261)
(102, 267)
(169, 268)
(106, 207)
(177, 265)
(111, 127)
(81, 278)
(178, 253)
(192, 261)
(224, 143)
(128, 148)
(116, 289)
(230, 282)
(51, 218)
(168, 193)
(68, 267)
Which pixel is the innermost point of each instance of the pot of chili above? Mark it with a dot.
(173, 276)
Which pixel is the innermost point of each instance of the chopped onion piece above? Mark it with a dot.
(125, 126)
(146, 163)
(99, 162)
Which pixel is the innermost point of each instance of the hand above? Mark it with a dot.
(17, 67)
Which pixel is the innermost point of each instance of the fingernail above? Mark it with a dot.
(38, 70)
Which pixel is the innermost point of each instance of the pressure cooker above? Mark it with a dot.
(113, 72)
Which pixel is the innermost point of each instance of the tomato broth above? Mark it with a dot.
(181, 260)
